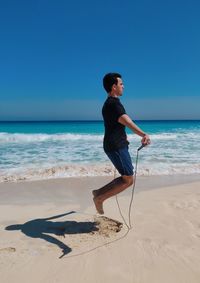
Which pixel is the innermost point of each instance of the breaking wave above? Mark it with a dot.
(92, 170)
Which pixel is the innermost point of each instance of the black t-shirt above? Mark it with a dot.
(115, 135)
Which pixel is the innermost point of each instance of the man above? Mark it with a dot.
(115, 140)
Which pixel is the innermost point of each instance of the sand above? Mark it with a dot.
(50, 232)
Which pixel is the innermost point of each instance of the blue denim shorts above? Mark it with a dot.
(121, 160)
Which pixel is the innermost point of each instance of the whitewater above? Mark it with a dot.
(35, 151)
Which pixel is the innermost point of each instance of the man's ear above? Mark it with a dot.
(114, 87)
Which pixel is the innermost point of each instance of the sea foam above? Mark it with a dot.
(44, 155)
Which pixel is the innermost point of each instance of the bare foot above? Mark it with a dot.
(98, 205)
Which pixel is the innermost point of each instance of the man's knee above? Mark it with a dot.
(128, 180)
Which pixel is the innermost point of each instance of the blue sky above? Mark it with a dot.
(53, 55)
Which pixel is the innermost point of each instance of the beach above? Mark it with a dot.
(70, 124)
(49, 228)
(50, 231)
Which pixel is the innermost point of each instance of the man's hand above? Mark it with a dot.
(146, 140)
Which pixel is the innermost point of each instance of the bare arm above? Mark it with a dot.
(126, 121)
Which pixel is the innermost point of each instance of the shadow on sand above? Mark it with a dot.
(40, 228)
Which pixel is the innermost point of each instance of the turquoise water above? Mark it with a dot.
(77, 127)
(92, 127)
(37, 150)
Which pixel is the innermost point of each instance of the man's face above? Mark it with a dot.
(118, 89)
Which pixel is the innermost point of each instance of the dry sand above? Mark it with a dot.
(51, 233)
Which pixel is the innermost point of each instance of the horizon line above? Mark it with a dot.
(92, 120)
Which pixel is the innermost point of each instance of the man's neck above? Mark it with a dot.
(112, 95)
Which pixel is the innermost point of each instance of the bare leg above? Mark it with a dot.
(115, 187)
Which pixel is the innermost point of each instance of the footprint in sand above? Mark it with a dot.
(8, 249)
(107, 227)
(190, 205)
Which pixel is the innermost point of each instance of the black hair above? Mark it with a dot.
(109, 80)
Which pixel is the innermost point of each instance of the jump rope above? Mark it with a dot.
(128, 225)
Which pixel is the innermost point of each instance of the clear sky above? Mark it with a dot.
(53, 55)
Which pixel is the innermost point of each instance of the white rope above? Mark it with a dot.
(129, 224)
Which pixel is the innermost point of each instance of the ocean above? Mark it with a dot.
(43, 150)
